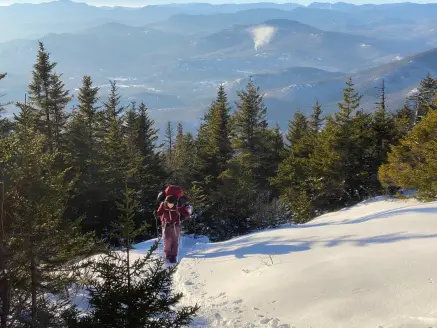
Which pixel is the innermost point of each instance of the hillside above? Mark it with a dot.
(372, 265)
(174, 56)
(400, 77)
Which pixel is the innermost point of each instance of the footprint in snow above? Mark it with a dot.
(188, 283)
(264, 321)
(238, 301)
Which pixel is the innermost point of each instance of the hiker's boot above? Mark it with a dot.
(172, 260)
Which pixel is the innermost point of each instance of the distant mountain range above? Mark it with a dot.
(173, 57)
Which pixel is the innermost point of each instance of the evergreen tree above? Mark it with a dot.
(169, 147)
(183, 152)
(5, 124)
(44, 246)
(132, 294)
(248, 134)
(81, 152)
(148, 135)
(424, 99)
(404, 120)
(59, 99)
(213, 145)
(298, 129)
(294, 176)
(315, 122)
(48, 98)
(350, 103)
(413, 163)
(119, 161)
(384, 134)
(249, 121)
(88, 98)
(342, 152)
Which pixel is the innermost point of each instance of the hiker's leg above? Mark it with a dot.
(166, 234)
(175, 245)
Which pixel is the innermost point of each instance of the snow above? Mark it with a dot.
(372, 265)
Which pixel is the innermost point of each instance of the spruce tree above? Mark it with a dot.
(213, 145)
(249, 121)
(132, 293)
(148, 134)
(342, 151)
(404, 120)
(350, 103)
(5, 124)
(315, 121)
(294, 175)
(183, 154)
(384, 134)
(249, 126)
(298, 128)
(118, 161)
(81, 152)
(413, 163)
(169, 141)
(48, 97)
(425, 97)
(45, 246)
(88, 99)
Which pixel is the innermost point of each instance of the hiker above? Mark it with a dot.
(172, 215)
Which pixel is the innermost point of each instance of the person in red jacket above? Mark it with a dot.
(171, 217)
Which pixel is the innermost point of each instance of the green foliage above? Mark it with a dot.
(132, 293)
(213, 145)
(48, 98)
(44, 246)
(413, 163)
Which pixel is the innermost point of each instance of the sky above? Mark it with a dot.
(146, 2)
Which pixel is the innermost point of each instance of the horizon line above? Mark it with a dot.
(349, 2)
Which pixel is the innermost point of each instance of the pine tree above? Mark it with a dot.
(183, 154)
(88, 98)
(249, 121)
(351, 102)
(404, 120)
(81, 152)
(132, 294)
(148, 134)
(48, 98)
(425, 97)
(341, 153)
(59, 99)
(294, 175)
(44, 244)
(298, 129)
(213, 145)
(384, 135)
(315, 122)
(248, 135)
(169, 147)
(119, 161)
(413, 163)
(5, 125)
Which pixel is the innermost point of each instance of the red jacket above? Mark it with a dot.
(173, 215)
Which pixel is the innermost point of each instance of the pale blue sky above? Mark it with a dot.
(145, 2)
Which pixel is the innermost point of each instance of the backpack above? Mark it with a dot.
(173, 190)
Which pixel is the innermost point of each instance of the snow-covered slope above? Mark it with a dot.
(373, 265)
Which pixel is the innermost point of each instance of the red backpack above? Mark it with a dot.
(176, 191)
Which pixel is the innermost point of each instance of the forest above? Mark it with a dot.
(79, 182)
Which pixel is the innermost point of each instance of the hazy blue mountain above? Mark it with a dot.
(175, 56)
(400, 77)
